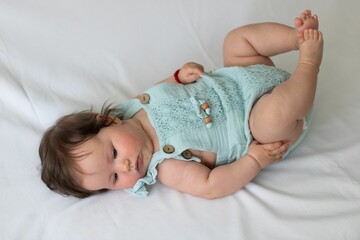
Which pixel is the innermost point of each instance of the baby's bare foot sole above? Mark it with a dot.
(311, 47)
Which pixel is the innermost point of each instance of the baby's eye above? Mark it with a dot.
(114, 153)
(116, 177)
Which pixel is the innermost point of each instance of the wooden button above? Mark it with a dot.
(168, 149)
(144, 98)
(186, 154)
(204, 106)
(207, 120)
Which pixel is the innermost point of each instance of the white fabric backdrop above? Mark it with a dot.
(57, 57)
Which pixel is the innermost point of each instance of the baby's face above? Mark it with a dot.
(115, 158)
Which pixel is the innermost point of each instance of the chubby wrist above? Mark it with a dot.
(176, 76)
(255, 160)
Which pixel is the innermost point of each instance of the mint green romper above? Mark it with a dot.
(175, 113)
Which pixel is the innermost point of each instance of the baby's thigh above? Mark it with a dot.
(267, 123)
(237, 51)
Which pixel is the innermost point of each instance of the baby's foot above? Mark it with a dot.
(305, 21)
(311, 47)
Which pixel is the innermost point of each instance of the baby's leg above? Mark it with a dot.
(256, 43)
(278, 115)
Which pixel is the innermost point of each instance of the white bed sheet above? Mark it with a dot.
(57, 57)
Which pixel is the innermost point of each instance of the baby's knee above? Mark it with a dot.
(270, 124)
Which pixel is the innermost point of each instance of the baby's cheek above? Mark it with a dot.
(129, 181)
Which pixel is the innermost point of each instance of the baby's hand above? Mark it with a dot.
(266, 154)
(190, 72)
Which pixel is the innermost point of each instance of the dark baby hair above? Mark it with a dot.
(58, 167)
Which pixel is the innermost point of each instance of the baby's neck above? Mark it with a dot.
(143, 119)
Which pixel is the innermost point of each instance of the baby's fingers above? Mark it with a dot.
(272, 146)
(191, 72)
(193, 67)
(197, 71)
(279, 150)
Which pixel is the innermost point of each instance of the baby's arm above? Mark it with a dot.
(198, 180)
(188, 73)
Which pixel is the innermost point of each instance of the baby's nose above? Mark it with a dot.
(125, 165)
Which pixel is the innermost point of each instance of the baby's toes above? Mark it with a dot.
(306, 34)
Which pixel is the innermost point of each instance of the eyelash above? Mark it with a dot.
(116, 177)
(114, 153)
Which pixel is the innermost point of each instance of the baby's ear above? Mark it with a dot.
(109, 120)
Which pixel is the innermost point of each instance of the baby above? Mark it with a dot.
(206, 134)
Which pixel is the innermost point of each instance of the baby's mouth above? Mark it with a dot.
(138, 163)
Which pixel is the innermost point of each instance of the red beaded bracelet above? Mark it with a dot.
(176, 76)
